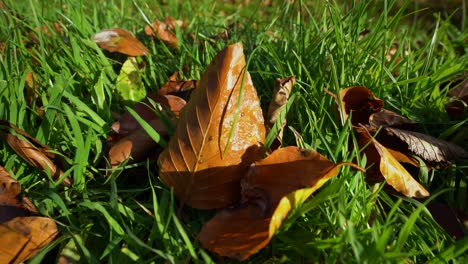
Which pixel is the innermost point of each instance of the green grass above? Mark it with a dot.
(130, 216)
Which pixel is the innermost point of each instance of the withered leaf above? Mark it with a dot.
(430, 149)
(31, 150)
(361, 102)
(270, 190)
(133, 141)
(281, 92)
(164, 30)
(387, 118)
(21, 235)
(180, 88)
(219, 132)
(120, 40)
(394, 173)
(458, 106)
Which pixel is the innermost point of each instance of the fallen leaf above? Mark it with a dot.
(31, 150)
(21, 235)
(121, 41)
(129, 84)
(386, 118)
(219, 132)
(271, 189)
(458, 105)
(281, 92)
(180, 88)
(393, 172)
(430, 149)
(361, 102)
(164, 31)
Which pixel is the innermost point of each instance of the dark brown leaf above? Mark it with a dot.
(164, 30)
(361, 102)
(220, 132)
(430, 149)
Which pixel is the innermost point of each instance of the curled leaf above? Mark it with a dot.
(121, 41)
(271, 189)
(164, 30)
(31, 150)
(219, 133)
(281, 92)
(393, 172)
(361, 102)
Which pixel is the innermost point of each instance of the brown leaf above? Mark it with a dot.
(179, 88)
(361, 102)
(21, 235)
(272, 187)
(211, 149)
(31, 150)
(136, 146)
(393, 172)
(120, 40)
(281, 92)
(164, 31)
(127, 123)
(458, 106)
(430, 149)
(387, 118)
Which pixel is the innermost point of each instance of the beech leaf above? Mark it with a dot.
(31, 150)
(430, 149)
(121, 41)
(219, 133)
(21, 235)
(271, 189)
(361, 102)
(164, 31)
(394, 173)
(129, 83)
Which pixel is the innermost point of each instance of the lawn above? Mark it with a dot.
(59, 86)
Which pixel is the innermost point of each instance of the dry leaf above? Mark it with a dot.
(281, 92)
(386, 118)
(393, 172)
(21, 235)
(458, 106)
(31, 150)
(120, 40)
(270, 190)
(361, 102)
(211, 149)
(430, 149)
(164, 31)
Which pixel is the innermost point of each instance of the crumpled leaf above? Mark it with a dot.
(219, 133)
(164, 30)
(361, 102)
(271, 189)
(21, 235)
(281, 92)
(179, 88)
(121, 41)
(31, 150)
(129, 83)
(393, 172)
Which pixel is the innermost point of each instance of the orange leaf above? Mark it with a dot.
(21, 235)
(31, 150)
(271, 189)
(211, 149)
(120, 40)
(394, 173)
(164, 32)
